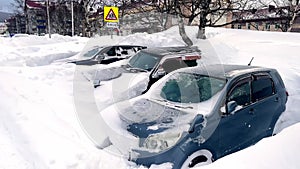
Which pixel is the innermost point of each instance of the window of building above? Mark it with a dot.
(256, 26)
(277, 26)
(267, 26)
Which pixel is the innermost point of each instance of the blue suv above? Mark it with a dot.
(194, 116)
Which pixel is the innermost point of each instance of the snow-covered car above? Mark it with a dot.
(196, 115)
(107, 54)
(135, 76)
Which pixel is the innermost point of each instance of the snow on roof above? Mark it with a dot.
(35, 4)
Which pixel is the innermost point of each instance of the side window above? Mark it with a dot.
(262, 87)
(112, 52)
(240, 93)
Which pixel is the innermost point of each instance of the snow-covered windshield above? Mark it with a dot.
(143, 60)
(190, 88)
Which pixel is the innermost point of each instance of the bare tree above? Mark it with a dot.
(286, 10)
(182, 32)
(18, 6)
(295, 12)
(210, 12)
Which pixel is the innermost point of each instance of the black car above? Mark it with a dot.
(107, 54)
(157, 61)
(134, 76)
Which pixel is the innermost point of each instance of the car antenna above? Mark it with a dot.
(249, 64)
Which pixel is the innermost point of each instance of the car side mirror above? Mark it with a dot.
(96, 83)
(100, 57)
(197, 123)
(159, 73)
(231, 106)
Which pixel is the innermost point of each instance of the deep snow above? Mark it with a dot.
(38, 121)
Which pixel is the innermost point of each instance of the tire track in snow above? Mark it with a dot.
(16, 140)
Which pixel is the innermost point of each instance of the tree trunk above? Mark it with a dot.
(182, 32)
(201, 33)
(201, 30)
(293, 17)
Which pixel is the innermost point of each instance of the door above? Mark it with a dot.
(234, 129)
(265, 105)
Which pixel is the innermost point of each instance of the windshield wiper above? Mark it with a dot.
(161, 100)
(183, 107)
(173, 105)
(126, 66)
(137, 69)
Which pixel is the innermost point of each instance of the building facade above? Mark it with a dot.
(263, 20)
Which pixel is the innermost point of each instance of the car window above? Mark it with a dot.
(111, 52)
(143, 60)
(240, 93)
(91, 53)
(172, 64)
(262, 87)
(279, 79)
(191, 88)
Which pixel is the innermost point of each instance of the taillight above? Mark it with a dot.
(191, 57)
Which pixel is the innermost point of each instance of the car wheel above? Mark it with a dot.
(198, 158)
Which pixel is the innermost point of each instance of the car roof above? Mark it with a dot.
(111, 46)
(224, 71)
(128, 46)
(163, 51)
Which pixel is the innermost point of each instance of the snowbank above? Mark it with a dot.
(38, 122)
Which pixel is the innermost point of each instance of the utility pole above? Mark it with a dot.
(72, 9)
(48, 16)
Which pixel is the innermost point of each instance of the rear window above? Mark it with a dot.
(262, 87)
(279, 79)
(143, 60)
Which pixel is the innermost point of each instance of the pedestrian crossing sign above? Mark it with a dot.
(111, 14)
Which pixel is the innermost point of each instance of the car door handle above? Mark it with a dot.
(276, 99)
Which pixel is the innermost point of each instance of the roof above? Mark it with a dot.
(34, 4)
(224, 71)
(163, 51)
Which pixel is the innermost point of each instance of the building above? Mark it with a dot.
(16, 24)
(3, 27)
(36, 17)
(267, 19)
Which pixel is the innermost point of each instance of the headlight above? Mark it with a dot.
(159, 142)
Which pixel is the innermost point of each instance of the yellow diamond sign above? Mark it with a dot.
(111, 14)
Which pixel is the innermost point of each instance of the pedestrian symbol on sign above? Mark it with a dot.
(111, 15)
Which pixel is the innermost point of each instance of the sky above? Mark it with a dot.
(5, 5)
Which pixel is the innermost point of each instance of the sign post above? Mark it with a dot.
(111, 17)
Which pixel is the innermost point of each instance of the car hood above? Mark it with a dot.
(132, 121)
(145, 117)
(103, 74)
(118, 85)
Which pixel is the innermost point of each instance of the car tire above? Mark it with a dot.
(198, 158)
